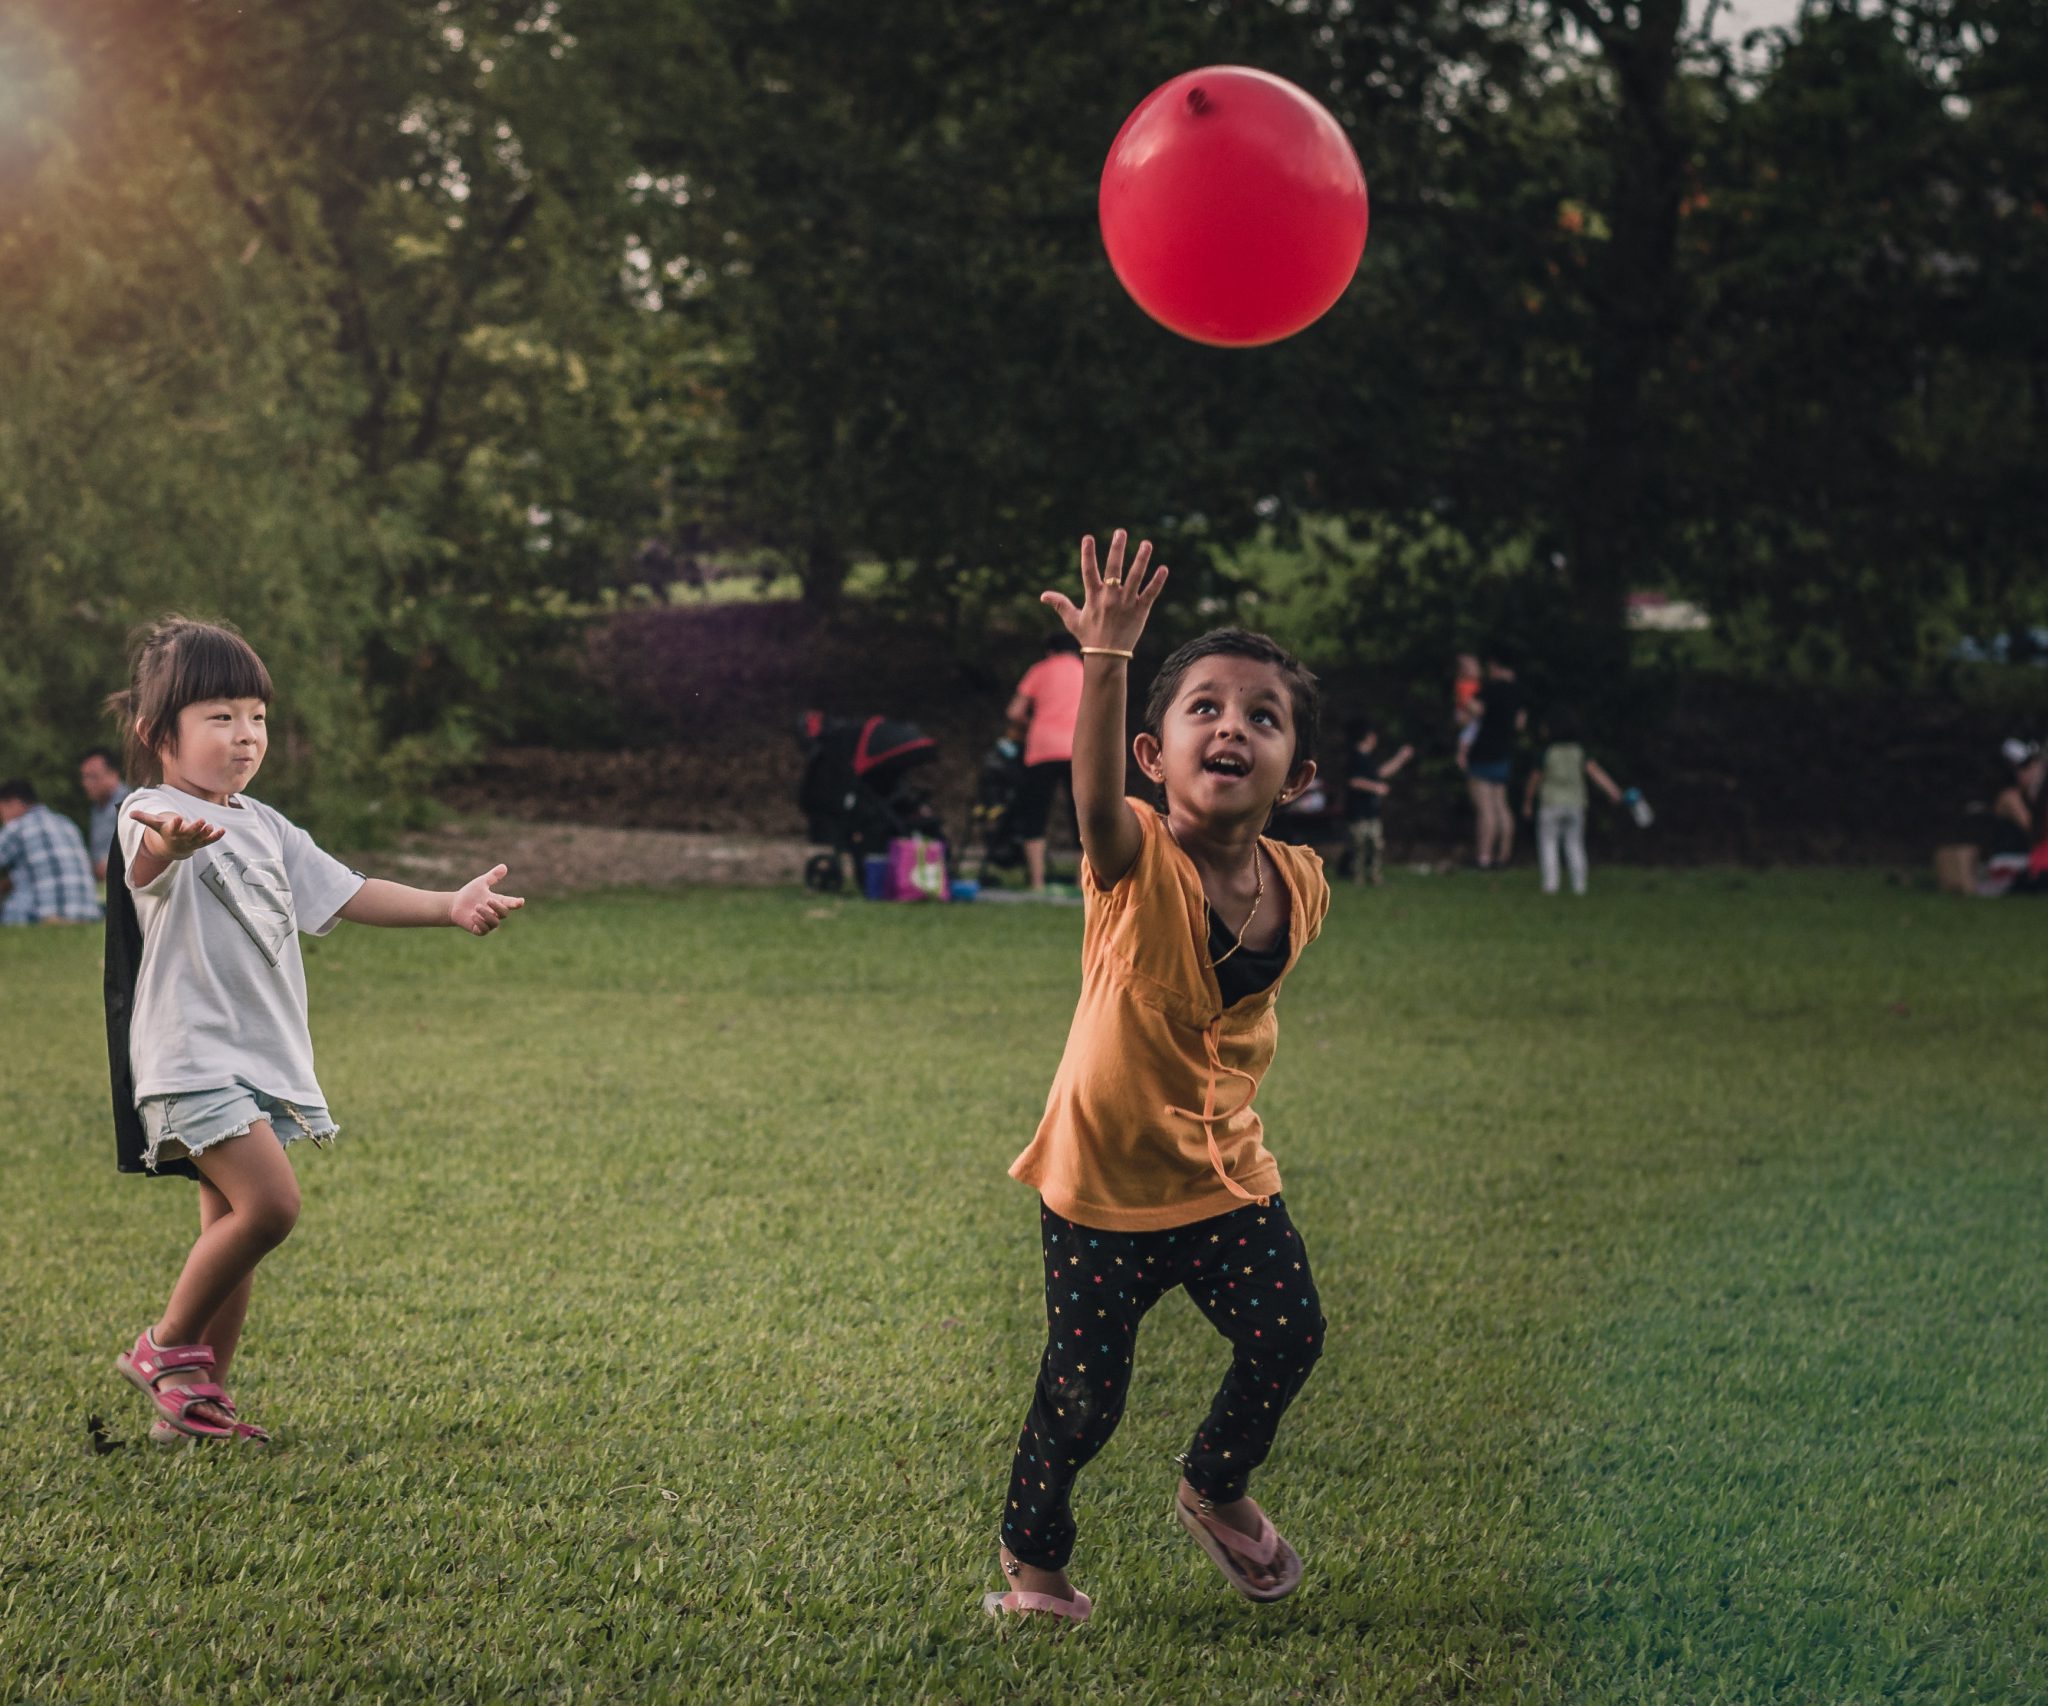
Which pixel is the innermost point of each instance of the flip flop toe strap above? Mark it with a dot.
(1258, 1550)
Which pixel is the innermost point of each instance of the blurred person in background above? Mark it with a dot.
(99, 774)
(1042, 713)
(43, 863)
(1490, 761)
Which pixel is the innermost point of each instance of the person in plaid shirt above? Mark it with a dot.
(43, 857)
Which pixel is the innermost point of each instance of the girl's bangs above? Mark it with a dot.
(210, 663)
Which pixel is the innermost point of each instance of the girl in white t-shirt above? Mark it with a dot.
(207, 991)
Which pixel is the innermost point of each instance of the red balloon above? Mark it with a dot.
(1233, 206)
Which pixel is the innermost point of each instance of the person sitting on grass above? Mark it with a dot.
(45, 873)
(1150, 1162)
(206, 995)
(1560, 781)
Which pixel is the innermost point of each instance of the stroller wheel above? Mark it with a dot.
(824, 873)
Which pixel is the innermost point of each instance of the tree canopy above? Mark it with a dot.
(393, 330)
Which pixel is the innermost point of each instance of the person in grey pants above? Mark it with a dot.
(1559, 781)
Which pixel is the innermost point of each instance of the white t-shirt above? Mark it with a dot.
(221, 992)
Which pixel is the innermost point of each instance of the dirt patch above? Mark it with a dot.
(558, 858)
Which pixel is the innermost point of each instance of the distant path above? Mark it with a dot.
(553, 858)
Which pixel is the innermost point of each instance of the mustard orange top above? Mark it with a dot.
(1150, 1121)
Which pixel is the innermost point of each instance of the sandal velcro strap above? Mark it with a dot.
(201, 1392)
(157, 1360)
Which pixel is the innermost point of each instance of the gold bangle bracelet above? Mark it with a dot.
(1104, 652)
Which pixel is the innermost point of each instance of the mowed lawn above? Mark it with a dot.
(662, 1324)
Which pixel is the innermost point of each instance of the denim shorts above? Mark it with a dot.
(198, 1119)
(1495, 770)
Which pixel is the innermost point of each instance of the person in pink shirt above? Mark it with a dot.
(1042, 714)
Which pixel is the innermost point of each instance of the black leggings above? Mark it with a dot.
(1245, 1270)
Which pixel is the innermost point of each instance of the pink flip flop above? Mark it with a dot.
(146, 1362)
(1230, 1551)
(1017, 1603)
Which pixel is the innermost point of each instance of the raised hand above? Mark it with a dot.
(477, 908)
(178, 837)
(1114, 604)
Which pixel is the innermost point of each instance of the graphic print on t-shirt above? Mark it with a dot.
(258, 896)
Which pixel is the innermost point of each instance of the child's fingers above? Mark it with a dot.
(1135, 580)
(1091, 576)
(1150, 596)
(1062, 606)
(1113, 570)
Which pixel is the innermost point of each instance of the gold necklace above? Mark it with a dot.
(1258, 895)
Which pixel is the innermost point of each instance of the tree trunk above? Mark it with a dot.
(1618, 501)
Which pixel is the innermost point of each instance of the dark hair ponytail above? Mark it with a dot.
(180, 662)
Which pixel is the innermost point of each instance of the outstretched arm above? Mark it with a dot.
(475, 907)
(1395, 765)
(1606, 782)
(167, 838)
(1108, 623)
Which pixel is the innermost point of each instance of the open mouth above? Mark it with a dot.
(1227, 764)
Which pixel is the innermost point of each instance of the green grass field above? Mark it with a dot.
(661, 1327)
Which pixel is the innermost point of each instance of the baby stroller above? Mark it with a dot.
(993, 818)
(857, 792)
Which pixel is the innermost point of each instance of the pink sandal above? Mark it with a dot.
(147, 1362)
(1017, 1602)
(246, 1433)
(1230, 1551)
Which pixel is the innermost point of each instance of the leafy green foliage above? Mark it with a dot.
(399, 332)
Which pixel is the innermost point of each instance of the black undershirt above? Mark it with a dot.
(1247, 970)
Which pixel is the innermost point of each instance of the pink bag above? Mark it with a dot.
(917, 868)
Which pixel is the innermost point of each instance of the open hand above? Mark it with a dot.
(478, 908)
(180, 837)
(1114, 604)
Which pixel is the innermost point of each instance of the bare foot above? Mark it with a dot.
(1029, 1578)
(206, 1410)
(1242, 1516)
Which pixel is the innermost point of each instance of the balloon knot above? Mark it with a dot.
(1197, 101)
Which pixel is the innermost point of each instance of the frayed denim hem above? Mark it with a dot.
(320, 1139)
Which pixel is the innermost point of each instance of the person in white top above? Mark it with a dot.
(216, 887)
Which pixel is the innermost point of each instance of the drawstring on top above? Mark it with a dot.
(1209, 1118)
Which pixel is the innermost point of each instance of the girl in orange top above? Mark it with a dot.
(1150, 1162)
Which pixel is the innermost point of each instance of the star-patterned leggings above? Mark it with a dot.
(1245, 1270)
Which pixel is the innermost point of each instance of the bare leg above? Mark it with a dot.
(1504, 826)
(1034, 861)
(1482, 823)
(1489, 799)
(224, 1332)
(259, 1197)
